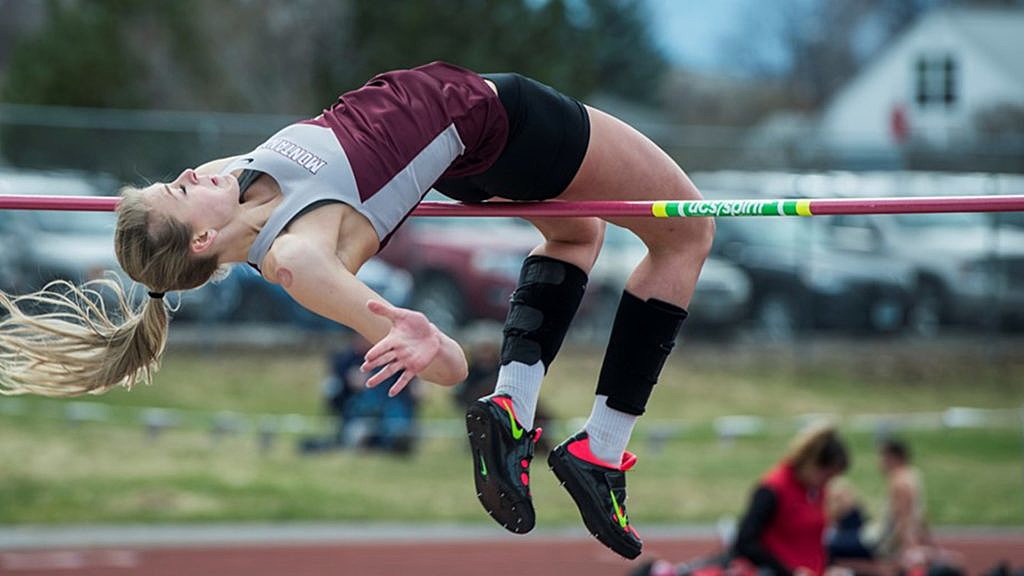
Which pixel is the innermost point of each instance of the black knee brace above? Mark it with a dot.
(541, 309)
(642, 338)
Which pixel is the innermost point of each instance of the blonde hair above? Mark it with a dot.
(819, 446)
(65, 341)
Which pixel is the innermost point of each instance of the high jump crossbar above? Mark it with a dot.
(610, 208)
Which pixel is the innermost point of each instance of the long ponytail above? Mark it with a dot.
(66, 340)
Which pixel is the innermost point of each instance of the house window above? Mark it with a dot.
(937, 78)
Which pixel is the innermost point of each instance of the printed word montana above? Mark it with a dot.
(295, 153)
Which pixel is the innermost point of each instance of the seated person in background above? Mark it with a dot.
(483, 353)
(367, 417)
(905, 526)
(905, 537)
(783, 528)
(846, 538)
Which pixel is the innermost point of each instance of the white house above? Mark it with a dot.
(928, 86)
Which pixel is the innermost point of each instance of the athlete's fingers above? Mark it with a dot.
(383, 374)
(382, 347)
(385, 309)
(381, 360)
(403, 381)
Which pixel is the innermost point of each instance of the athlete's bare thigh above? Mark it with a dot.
(623, 164)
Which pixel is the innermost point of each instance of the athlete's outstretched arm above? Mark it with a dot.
(404, 339)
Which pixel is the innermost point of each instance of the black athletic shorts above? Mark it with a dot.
(548, 135)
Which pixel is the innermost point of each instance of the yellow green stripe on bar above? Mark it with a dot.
(803, 208)
(658, 209)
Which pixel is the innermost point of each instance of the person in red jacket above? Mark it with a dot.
(783, 528)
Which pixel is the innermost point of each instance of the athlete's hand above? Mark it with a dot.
(411, 345)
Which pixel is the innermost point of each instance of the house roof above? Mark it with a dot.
(994, 32)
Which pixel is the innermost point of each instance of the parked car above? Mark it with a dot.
(41, 246)
(967, 269)
(804, 277)
(720, 301)
(463, 268)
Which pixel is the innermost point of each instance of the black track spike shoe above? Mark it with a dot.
(502, 451)
(599, 492)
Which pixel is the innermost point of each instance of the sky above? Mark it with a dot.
(691, 31)
(706, 35)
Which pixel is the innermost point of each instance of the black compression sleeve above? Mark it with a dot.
(763, 505)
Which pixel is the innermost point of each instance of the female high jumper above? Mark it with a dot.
(320, 197)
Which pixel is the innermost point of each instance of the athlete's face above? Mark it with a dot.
(201, 201)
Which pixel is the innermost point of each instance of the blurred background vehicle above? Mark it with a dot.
(966, 267)
(463, 269)
(967, 270)
(804, 278)
(41, 246)
(719, 306)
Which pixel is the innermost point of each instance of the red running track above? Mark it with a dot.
(511, 556)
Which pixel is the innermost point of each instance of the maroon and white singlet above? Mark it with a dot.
(380, 148)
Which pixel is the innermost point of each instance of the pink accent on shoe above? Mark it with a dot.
(628, 461)
(581, 450)
(525, 479)
(506, 404)
(524, 463)
(536, 434)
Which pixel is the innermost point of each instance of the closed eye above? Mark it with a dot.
(183, 191)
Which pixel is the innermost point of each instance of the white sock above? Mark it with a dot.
(521, 382)
(609, 431)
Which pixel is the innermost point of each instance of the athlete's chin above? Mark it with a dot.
(228, 183)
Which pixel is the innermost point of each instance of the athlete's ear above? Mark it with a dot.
(202, 241)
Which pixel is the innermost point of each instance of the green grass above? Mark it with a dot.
(52, 472)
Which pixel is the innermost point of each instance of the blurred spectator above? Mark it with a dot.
(849, 520)
(782, 532)
(367, 417)
(905, 525)
(483, 351)
(783, 529)
(903, 543)
(906, 538)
